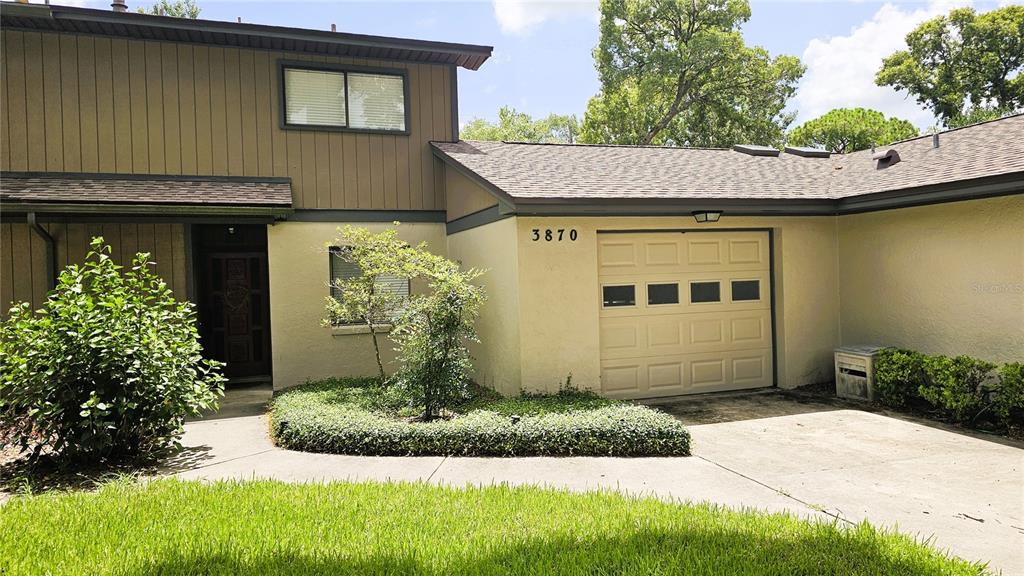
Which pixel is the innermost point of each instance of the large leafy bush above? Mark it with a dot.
(898, 375)
(956, 385)
(110, 366)
(1008, 398)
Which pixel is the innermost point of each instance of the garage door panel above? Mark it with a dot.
(659, 254)
(704, 373)
(620, 336)
(621, 379)
(664, 335)
(686, 374)
(664, 376)
(704, 252)
(698, 320)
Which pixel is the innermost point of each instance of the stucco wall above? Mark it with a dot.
(942, 279)
(558, 292)
(496, 358)
(299, 275)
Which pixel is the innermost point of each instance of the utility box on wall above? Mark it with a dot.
(855, 372)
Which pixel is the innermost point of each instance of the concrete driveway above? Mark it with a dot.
(964, 492)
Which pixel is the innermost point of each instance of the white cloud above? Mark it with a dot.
(520, 17)
(841, 70)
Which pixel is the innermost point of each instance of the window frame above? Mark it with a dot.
(345, 69)
(332, 253)
(617, 306)
(689, 299)
(732, 290)
(647, 291)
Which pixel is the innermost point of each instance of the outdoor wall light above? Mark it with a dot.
(707, 216)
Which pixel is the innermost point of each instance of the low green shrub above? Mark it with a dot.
(1008, 397)
(110, 366)
(956, 385)
(898, 375)
(341, 416)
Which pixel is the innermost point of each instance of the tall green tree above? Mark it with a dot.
(678, 72)
(518, 126)
(175, 8)
(962, 64)
(850, 129)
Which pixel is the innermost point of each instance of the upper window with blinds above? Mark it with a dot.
(335, 99)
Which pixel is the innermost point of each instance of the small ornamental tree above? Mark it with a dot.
(110, 366)
(365, 298)
(432, 334)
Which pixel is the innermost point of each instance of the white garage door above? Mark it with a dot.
(684, 312)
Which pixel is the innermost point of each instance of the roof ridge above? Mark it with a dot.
(592, 145)
(947, 131)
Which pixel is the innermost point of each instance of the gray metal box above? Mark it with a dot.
(855, 371)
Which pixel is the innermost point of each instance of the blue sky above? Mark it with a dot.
(542, 48)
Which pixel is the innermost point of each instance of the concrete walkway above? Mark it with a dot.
(965, 492)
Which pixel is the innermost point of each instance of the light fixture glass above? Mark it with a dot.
(707, 216)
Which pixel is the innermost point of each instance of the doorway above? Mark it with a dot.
(233, 298)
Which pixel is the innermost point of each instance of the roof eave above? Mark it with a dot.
(469, 56)
(276, 212)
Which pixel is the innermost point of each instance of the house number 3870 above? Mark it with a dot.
(549, 235)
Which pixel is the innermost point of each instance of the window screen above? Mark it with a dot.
(662, 294)
(746, 290)
(376, 101)
(619, 296)
(342, 269)
(705, 292)
(314, 97)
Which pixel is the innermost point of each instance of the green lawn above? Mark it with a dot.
(173, 527)
(358, 416)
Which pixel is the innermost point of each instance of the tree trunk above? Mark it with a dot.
(682, 88)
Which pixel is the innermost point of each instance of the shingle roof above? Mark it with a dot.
(114, 189)
(537, 172)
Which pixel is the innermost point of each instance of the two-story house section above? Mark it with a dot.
(232, 152)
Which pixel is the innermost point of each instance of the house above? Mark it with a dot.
(234, 151)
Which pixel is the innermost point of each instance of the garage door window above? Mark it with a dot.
(619, 296)
(705, 292)
(662, 294)
(743, 290)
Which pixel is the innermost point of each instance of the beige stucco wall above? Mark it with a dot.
(942, 279)
(496, 358)
(558, 295)
(299, 274)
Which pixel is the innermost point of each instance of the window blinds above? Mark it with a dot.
(377, 102)
(342, 269)
(314, 97)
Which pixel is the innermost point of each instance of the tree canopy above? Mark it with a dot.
(850, 129)
(518, 126)
(175, 8)
(678, 72)
(964, 65)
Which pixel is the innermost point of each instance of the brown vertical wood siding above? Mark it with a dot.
(81, 103)
(23, 254)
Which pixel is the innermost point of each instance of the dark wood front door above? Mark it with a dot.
(234, 315)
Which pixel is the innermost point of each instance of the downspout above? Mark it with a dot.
(51, 251)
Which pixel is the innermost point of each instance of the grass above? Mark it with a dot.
(359, 416)
(171, 527)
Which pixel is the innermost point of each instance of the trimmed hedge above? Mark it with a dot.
(347, 417)
(963, 389)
